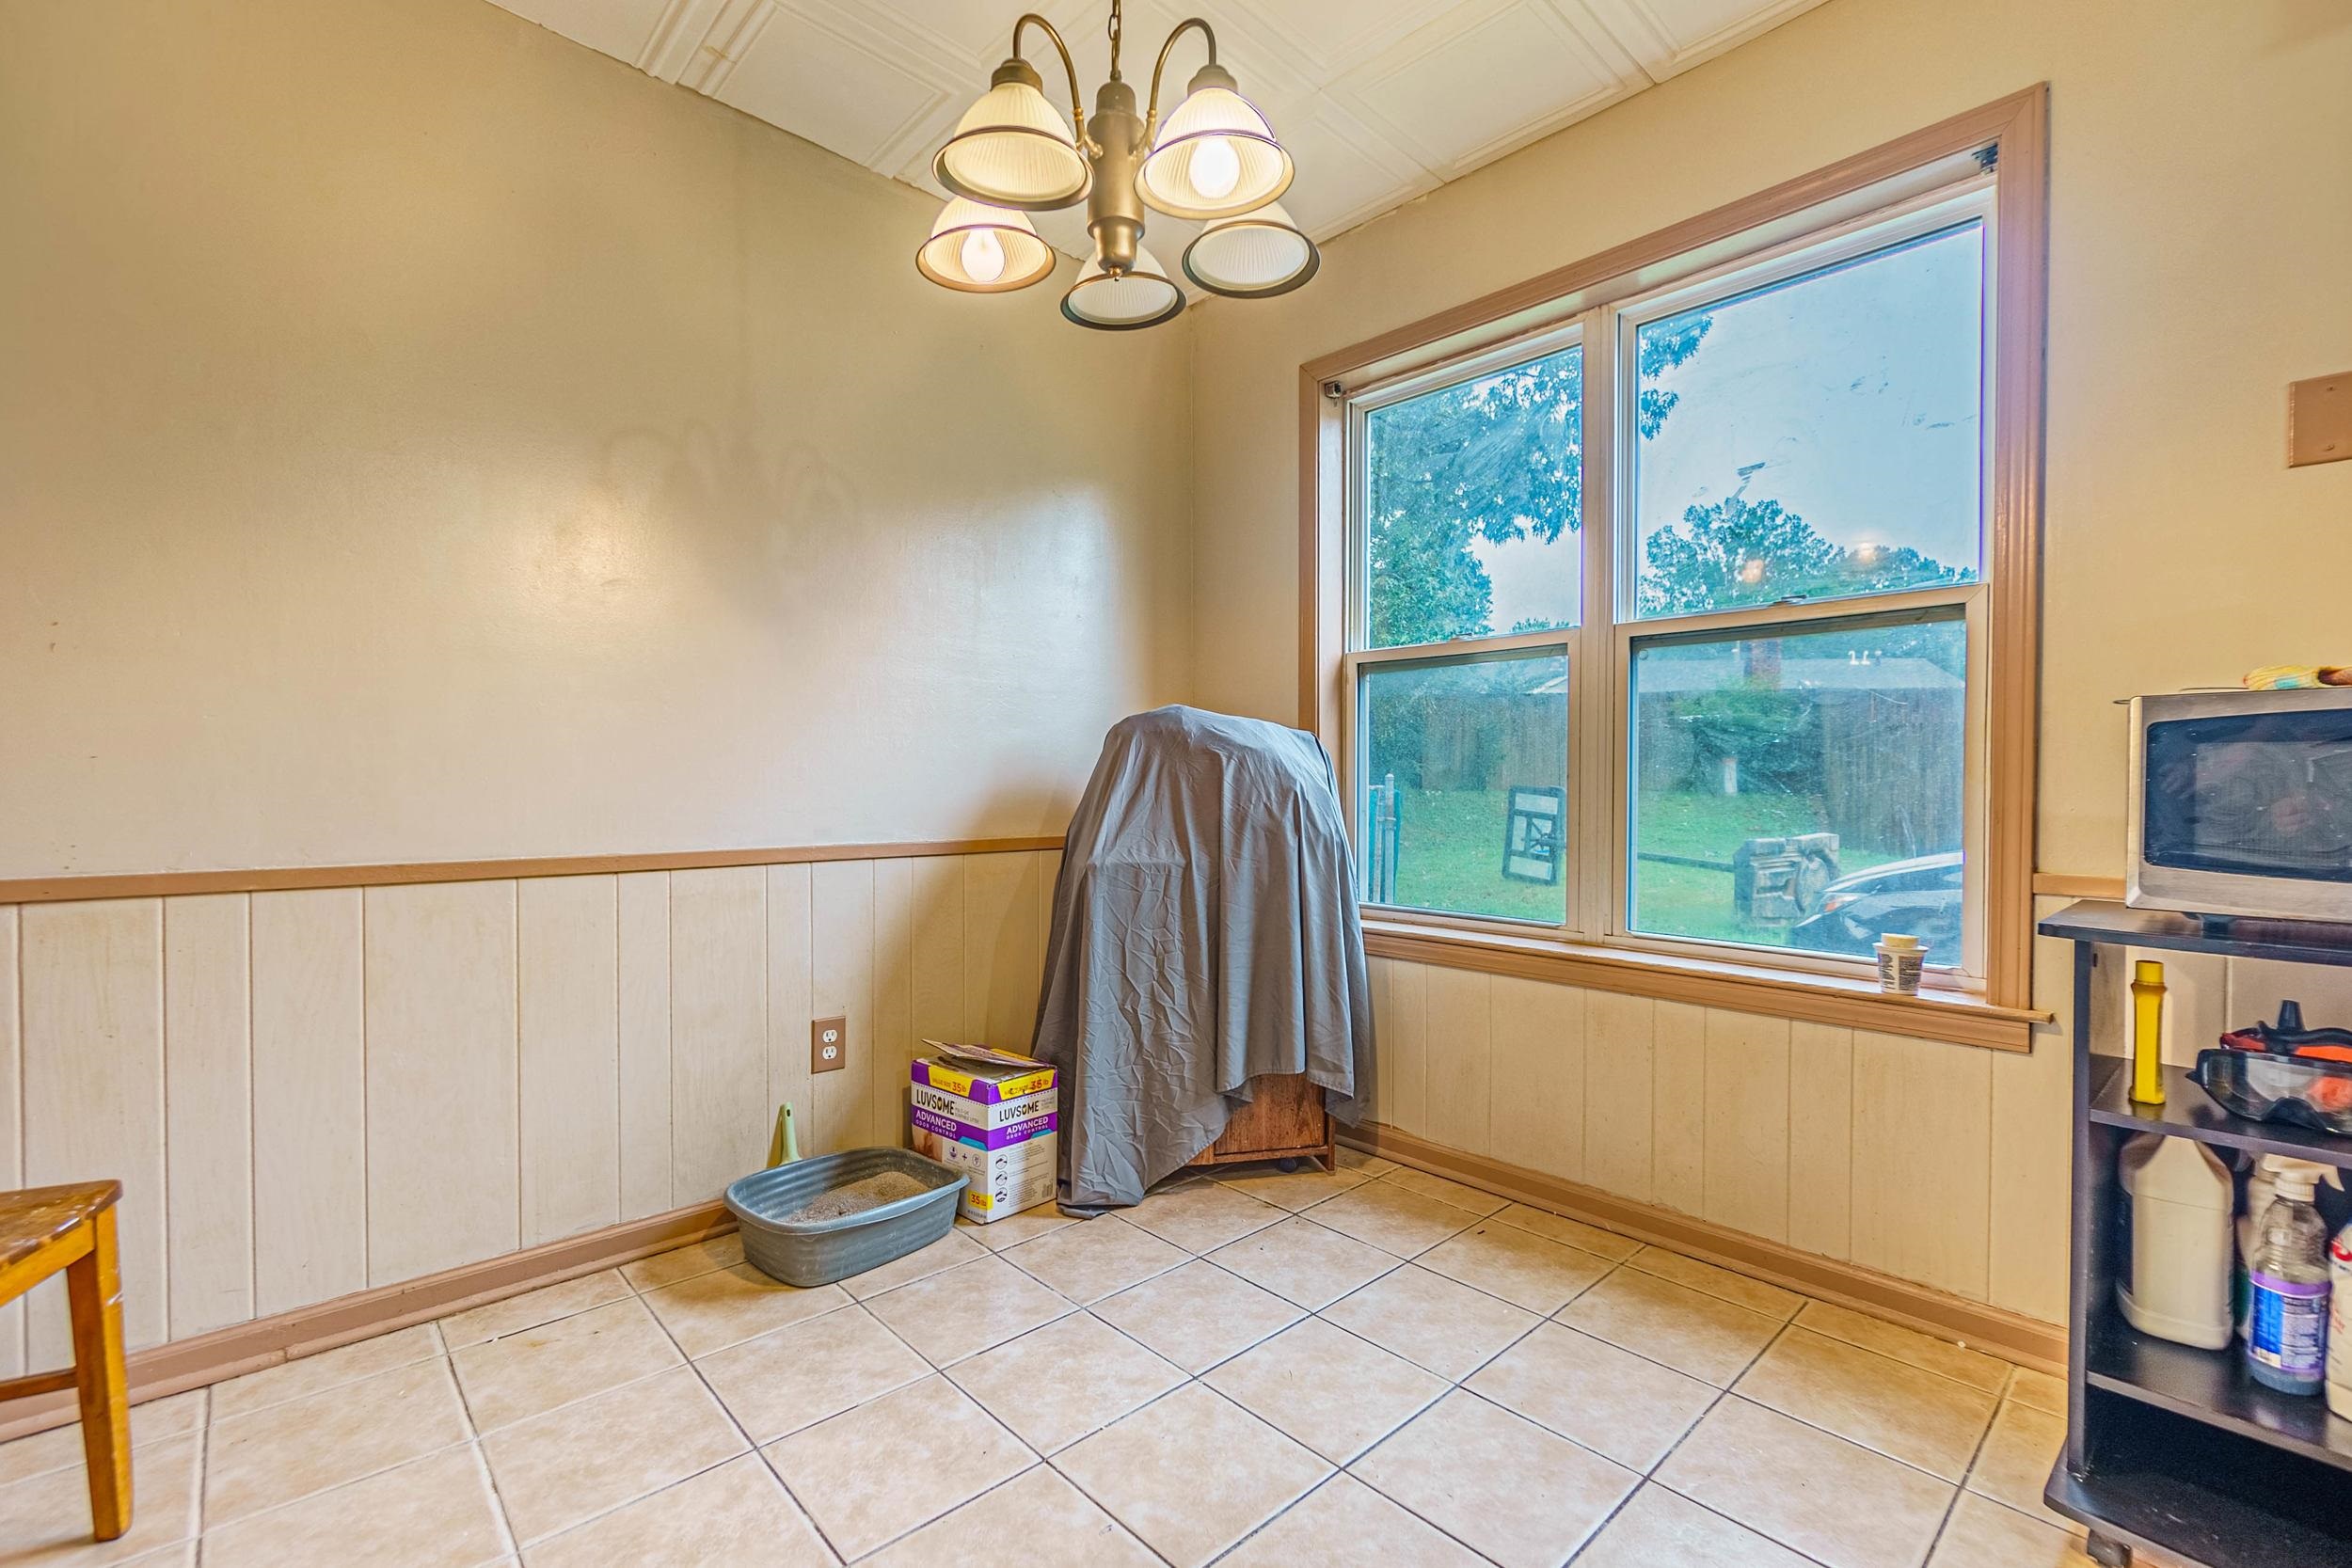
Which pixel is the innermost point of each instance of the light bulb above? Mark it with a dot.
(1216, 168)
(983, 255)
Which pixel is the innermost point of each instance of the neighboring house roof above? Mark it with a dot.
(1693, 676)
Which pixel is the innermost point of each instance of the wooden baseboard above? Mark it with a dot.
(2011, 1336)
(248, 1347)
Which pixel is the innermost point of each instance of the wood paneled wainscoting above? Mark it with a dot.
(339, 1108)
(318, 1092)
(1940, 1165)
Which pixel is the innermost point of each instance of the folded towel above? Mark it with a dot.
(2294, 677)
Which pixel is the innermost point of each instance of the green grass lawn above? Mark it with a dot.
(1450, 857)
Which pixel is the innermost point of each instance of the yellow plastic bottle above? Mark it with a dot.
(2148, 1031)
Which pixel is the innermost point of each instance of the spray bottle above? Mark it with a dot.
(2286, 1342)
(2340, 1323)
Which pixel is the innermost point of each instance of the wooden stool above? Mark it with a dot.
(43, 1229)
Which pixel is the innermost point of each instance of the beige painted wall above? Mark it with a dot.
(422, 438)
(2200, 239)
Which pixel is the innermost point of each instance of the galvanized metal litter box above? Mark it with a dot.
(818, 1252)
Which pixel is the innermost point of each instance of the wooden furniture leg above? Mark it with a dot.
(93, 1286)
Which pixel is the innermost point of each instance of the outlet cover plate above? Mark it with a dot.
(2319, 419)
(828, 1044)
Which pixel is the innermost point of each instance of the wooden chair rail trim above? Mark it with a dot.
(2011, 1336)
(39, 1382)
(154, 884)
(1951, 1017)
(2051, 884)
(182, 1364)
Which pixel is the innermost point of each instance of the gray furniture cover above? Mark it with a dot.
(1205, 932)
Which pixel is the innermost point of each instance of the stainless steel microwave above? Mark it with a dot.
(2241, 803)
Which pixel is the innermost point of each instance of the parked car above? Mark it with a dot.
(1920, 897)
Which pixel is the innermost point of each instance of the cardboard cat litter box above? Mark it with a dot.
(993, 1115)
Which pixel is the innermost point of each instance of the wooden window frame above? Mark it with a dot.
(1995, 1010)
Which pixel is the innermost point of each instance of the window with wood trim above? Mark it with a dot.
(1674, 615)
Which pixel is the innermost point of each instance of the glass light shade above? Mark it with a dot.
(1215, 157)
(1142, 296)
(980, 249)
(1252, 257)
(1013, 148)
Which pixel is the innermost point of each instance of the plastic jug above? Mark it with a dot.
(2176, 1284)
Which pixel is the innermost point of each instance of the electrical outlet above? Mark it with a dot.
(829, 1045)
(2319, 419)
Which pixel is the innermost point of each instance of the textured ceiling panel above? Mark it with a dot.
(1669, 36)
(853, 91)
(1378, 100)
(1482, 80)
(1347, 172)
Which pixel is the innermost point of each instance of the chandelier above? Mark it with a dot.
(1215, 159)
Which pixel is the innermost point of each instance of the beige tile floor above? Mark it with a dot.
(1267, 1370)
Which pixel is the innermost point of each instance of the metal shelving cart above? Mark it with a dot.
(2169, 1447)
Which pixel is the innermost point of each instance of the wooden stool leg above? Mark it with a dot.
(93, 1287)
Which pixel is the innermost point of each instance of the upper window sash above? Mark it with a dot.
(1946, 210)
(1363, 404)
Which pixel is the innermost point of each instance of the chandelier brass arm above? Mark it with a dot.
(1077, 99)
(1208, 34)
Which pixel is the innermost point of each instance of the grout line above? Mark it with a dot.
(1951, 1504)
(587, 1519)
(1226, 1555)
(498, 1503)
(469, 1441)
(751, 1447)
(1080, 1488)
(933, 1369)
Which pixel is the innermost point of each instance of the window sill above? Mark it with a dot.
(1957, 1017)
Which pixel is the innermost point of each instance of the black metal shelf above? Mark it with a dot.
(2211, 1386)
(2216, 1527)
(2169, 1447)
(2299, 941)
(2189, 1112)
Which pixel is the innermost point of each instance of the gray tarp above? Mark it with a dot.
(1205, 932)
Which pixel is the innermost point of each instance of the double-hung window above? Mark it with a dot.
(1668, 623)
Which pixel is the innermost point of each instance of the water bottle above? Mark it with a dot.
(2286, 1342)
